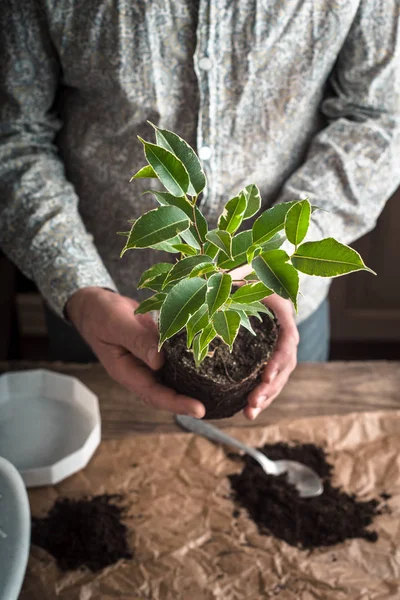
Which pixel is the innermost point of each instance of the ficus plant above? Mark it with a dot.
(197, 291)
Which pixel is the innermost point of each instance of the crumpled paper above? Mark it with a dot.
(188, 545)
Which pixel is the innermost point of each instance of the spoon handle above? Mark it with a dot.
(216, 435)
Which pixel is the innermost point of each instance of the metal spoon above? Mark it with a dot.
(306, 481)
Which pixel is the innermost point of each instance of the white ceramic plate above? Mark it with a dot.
(49, 425)
(15, 527)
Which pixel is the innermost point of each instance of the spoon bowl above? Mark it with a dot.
(305, 480)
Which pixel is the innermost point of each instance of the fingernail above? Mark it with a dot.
(255, 412)
(272, 376)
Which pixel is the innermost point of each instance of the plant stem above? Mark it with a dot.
(196, 228)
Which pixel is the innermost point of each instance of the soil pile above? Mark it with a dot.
(277, 509)
(83, 533)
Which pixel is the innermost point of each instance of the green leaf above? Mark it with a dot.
(199, 353)
(251, 292)
(297, 222)
(327, 258)
(184, 267)
(169, 169)
(157, 225)
(203, 270)
(168, 246)
(166, 199)
(153, 303)
(153, 272)
(270, 222)
(144, 172)
(190, 237)
(251, 309)
(253, 200)
(232, 216)
(273, 270)
(123, 233)
(210, 250)
(218, 290)
(254, 250)
(186, 249)
(245, 321)
(197, 322)
(201, 223)
(274, 243)
(226, 324)
(181, 149)
(207, 336)
(240, 244)
(181, 302)
(222, 240)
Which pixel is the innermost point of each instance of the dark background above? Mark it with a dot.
(365, 310)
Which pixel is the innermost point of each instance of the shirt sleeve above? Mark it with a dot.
(40, 226)
(353, 164)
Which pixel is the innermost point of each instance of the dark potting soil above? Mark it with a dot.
(224, 379)
(83, 533)
(277, 509)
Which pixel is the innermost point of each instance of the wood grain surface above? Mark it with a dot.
(313, 389)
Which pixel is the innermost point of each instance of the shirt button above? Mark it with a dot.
(205, 153)
(205, 63)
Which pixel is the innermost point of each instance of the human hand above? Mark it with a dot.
(282, 362)
(126, 345)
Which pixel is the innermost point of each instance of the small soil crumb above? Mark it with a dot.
(385, 496)
(83, 533)
(277, 509)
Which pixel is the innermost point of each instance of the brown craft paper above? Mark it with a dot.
(187, 544)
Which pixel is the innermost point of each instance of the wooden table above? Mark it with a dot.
(313, 389)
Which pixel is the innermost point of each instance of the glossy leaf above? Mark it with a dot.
(253, 251)
(169, 169)
(153, 272)
(226, 324)
(203, 270)
(210, 249)
(144, 173)
(297, 222)
(197, 322)
(181, 149)
(191, 238)
(184, 267)
(207, 336)
(167, 199)
(240, 243)
(186, 249)
(201, 223)
(270, 222)
(157, 225)
(181, 302)
(251, 309)
(274, 243)
(168, 246)
(199, 353)
(218, 290)
(253, 200)
(251, 292)
(232, 216)
(273, 270)
(327, 258)
(153, 303)
(245, 321)
(222, 240)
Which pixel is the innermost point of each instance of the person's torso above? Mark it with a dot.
(241, 80)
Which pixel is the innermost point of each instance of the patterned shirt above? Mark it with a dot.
(300, 97)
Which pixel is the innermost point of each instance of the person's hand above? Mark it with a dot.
(126, 345)
(282, 362)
